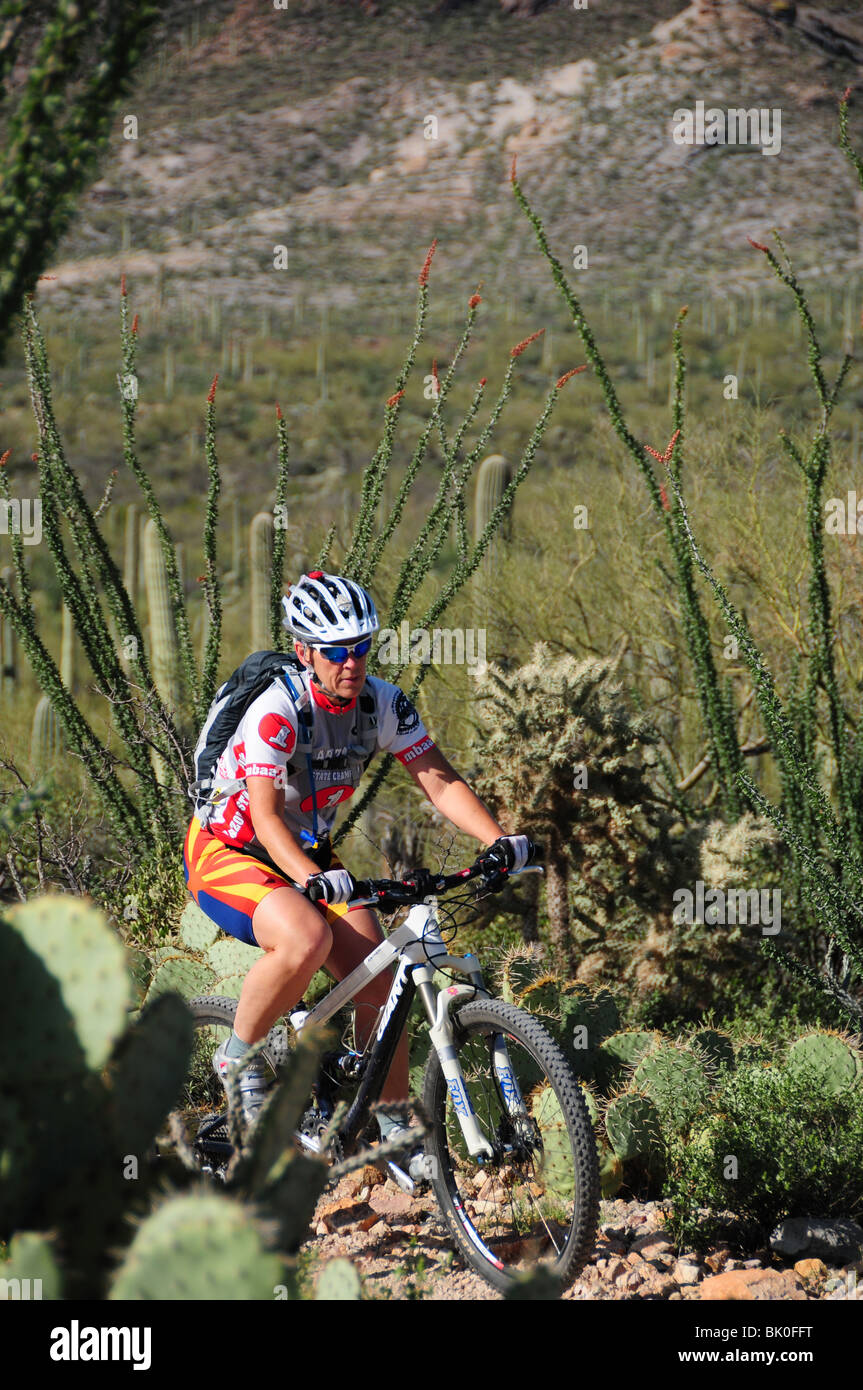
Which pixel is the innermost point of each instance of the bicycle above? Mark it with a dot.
(510, 1152)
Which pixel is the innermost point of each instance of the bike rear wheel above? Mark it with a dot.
(537, 1201)
(203, 1106)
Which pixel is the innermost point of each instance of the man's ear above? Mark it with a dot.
(302, 653)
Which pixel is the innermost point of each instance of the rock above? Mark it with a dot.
(752, 1285)
(615, 1268)
(717, 1260)
(836, 1242)
(335, 1216)
(390, 1203)
(686, 1273)
(810, 1269)
(650, 1244)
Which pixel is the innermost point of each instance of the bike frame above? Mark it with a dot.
(418, 948)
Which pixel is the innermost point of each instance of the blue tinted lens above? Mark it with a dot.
(342, 653)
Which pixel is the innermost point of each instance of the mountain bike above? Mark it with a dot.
(510, 1151)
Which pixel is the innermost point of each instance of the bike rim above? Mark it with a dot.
(518, 1210)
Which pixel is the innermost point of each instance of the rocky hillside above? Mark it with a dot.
(308, 127)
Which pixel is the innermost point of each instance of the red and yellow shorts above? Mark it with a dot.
(228, 885)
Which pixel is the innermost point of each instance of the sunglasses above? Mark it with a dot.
(342, 653)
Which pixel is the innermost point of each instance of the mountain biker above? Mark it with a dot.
(272, 833)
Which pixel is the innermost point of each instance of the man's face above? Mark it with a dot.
(343, 678)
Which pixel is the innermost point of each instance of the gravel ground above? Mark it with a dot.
(401, 1249)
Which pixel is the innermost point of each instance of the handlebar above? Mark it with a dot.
(388, 894)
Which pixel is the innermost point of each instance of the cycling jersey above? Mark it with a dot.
(267, 735)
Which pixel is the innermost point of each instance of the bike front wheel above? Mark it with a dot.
(536, 1201)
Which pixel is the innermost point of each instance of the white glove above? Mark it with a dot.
(521, 850)
(335, 886)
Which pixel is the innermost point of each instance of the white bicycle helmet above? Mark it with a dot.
(325, 608)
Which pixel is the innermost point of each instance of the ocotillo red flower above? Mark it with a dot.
(483, 380)
(47, 277)
(757, 244)
(435, 376)
(135, 326)
(572, 372)
(520, 347)
(512, 170)
(211, 394)
(474, 300)
(35, 457)
(664, 458)
(392, 400)
(846, 94)
(279, 415)
(4, 458)
(424, 273)
(664, 496)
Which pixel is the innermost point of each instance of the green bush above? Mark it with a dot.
(798, 1152)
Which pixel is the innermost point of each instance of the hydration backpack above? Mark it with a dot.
(251, 678)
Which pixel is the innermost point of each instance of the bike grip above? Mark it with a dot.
(538, 853)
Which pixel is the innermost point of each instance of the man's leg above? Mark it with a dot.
(296, 941)
(354, 935)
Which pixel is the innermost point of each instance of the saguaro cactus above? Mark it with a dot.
(163, 638)
(46, 740)
(261, 557)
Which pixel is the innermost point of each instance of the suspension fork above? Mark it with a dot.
(438, 1006)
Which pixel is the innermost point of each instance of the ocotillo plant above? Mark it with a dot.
(83, 62)
(806, 821)
(88, 577)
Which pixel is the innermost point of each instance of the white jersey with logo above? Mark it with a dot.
(267, 735)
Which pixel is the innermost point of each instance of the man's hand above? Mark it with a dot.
(507, 855)
(335, 886)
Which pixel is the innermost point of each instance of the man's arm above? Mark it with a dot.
(450, 794)
(266, 805)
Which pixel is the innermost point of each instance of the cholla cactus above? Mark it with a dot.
(563, 760)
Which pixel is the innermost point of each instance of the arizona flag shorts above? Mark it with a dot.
(228, 885)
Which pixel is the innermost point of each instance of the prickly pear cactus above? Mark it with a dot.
(202, 1247)
(620, 1052)
(70, 989)
(678, 1080)
(197, 930)
(632, 1125)
(542, 997)
(610, 1172)
(596, 1011)
(147, 1074)
(520, 970)
(33, 1263)
(717, 1046)
(231, 957)
(556, 1169)
(828, 1056)
(232, 985)
(338, 1281)
(182, 974)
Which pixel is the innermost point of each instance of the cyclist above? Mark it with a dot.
(271, 833)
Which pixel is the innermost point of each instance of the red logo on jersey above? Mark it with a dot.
(331, 797)
(276, 731)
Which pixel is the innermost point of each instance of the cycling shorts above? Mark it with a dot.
(228, 885)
